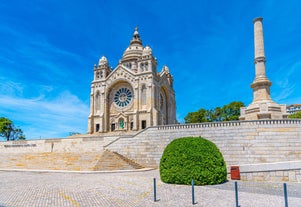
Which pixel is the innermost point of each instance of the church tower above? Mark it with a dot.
(132, 96)
(262, 106)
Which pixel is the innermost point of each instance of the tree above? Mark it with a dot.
(296, 115)
(228, 112)
(231, 111)
(197, 117)
(9, 131)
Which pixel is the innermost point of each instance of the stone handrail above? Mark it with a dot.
(112, 142)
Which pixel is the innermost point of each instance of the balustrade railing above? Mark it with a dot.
(229, 124)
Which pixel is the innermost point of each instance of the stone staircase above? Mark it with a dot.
(129, 161)
(84, 161)
(115, 161)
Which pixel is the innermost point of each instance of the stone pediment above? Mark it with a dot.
(120, 73)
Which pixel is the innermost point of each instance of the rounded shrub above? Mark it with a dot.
(194, 158)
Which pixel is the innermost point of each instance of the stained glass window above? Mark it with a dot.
(123, 97)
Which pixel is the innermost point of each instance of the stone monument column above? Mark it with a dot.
(262, 106)
(259, 57)
(261, 84)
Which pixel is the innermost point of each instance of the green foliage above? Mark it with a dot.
(196, 117)
(228, 112)
(194, 158)
(296, 115)
(9, 131)
(231, 111)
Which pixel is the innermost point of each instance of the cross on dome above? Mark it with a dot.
(136, 31)
(136, 37)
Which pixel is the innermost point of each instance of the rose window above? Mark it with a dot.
(123, 97)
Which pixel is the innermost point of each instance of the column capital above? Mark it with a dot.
(257, 19)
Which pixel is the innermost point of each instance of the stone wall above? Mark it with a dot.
(245, 142)
(276, 172)
(73, 144)
(273, 176)
(242, 143)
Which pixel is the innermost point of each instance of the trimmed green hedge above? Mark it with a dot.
(194, 158)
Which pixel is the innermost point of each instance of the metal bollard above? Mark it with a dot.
(285, 195)
(155, 190)
(236, 194)
(192, 191)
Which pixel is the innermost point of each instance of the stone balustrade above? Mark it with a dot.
(227, 124)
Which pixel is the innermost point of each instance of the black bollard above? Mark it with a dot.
(192, 191)
(155, 190)
(236, 194)
(285, 195)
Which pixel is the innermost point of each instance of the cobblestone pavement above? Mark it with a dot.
(29, 189)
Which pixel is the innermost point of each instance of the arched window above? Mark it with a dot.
(163, 108)
(99, 75)
(141, 67)
(144, 66)
(97, 101)
(161, 102)
(143, 95)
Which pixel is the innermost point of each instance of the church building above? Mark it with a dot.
(132, 96)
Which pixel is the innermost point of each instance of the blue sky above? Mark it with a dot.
(48, 49)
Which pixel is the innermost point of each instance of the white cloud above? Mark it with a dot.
(287, 82)
(285, 93)
(39, 110)
(9, 87)
(45, 118)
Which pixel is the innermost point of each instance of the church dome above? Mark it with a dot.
(135, 48)
(147, 51)
(103, 61)
(133, 51)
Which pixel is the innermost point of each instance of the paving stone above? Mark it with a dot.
(126, 189)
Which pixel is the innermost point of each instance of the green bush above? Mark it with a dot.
(194, 158)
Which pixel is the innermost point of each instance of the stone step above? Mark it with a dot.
(129, 161)
(112, 161)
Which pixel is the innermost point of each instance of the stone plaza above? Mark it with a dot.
(128, 189)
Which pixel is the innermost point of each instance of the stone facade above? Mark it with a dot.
(262, 106)
(133, 96)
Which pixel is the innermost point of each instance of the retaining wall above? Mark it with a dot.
(72, 144)
(241, 143)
